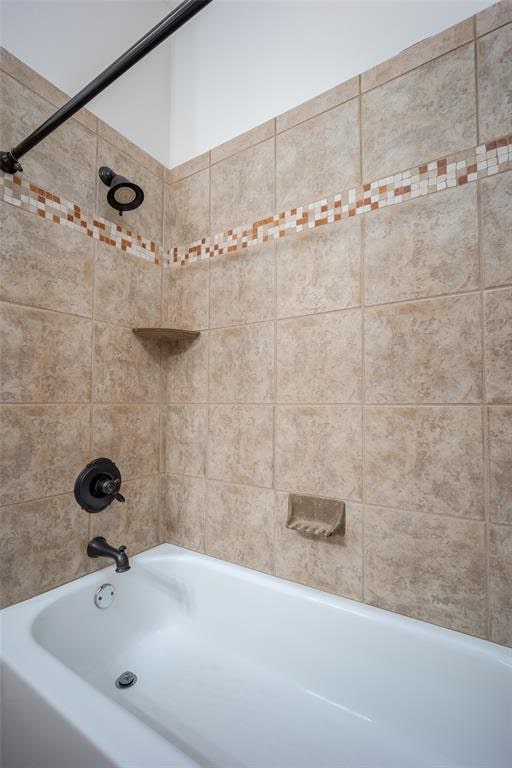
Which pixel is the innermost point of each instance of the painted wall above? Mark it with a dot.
(69, 43)
(237, 64)
(242, 62)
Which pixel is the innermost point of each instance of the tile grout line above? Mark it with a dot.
(162, 415)
(349, 500)
(281, 404)
(52, 104)
(485, 426)
(418, 66)
(376, 505)
(354, 308)
(206, 492)
(93, 339)
(362, 288)
(275, 393)
(36, 499)
(240, 151)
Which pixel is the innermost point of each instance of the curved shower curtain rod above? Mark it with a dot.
(9, 161)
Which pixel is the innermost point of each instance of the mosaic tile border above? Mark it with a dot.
(21, 193)
(450, 171)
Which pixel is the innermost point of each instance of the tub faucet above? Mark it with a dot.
(99, 547)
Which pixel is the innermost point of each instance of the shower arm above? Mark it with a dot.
(9, 161)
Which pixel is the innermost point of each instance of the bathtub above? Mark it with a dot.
(236, 669)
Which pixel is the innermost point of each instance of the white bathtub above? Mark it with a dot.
(238, 669)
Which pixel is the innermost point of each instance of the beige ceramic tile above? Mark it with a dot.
(496, 213)
(242, 364)
(183, 511)
(490, 18)
(243, 141)
(323, 102)
(240, 524)
(43, 546)
(500, 463)
(500, 579)
(185, 299)
(318, 157)
(134, 523)
(318, 450)
(424, 351)
(428, 459)
(242, 188)
(319, 270)
(418, 54)
(334, 564)
(428, 567)
(319, 358)
(42, 449)
(242, 286)
(240, 439)
(187, 210)
(186, 439)
(129, 435)
(194, 165)
(126, 368)
(45, 356)
(65, 164)
(498, 345)
(43, 264)
(424, 247)
(420, 116)
(42, 87)
(147, 219)
(186, 367)
(129, 148)
(495, 84)
(127, 289)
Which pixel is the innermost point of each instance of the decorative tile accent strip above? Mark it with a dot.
(19, 192)
(451, 171)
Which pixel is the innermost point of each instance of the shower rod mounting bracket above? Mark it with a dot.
(9, 164)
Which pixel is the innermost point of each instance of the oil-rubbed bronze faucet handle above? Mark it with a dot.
(110, 487)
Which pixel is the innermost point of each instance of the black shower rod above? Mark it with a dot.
(9, 161)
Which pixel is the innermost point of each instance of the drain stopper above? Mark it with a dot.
(126, 680)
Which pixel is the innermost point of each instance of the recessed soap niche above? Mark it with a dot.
(316, 516)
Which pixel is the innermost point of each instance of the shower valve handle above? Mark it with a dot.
(110, 487)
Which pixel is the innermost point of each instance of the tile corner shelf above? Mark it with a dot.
(165, 334)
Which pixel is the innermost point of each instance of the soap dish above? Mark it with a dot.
(316, 516)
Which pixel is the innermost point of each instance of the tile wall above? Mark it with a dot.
(368, 359)
(75, 383)
(360, 357)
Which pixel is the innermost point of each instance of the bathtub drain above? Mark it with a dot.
(126, 680)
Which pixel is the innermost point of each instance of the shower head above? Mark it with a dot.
(123, 195)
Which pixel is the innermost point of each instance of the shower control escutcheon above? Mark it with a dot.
(98, 485)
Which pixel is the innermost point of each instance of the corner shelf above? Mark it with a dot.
(165, 334)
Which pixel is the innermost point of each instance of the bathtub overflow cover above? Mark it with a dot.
(104, 596)
(126, 680)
